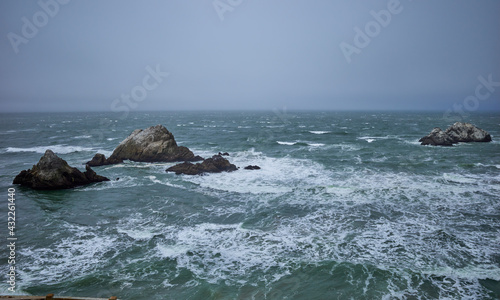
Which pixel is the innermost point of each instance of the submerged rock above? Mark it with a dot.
(215, 164)
(53, 172)
(153, 144)
(459, 132)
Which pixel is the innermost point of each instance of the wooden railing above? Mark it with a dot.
(51, 297)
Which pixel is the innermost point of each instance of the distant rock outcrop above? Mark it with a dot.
(215, 164)
(53, 172)
(457, 133)
(153, 144)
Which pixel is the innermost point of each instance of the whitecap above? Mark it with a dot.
(220, 251)
(276, 176)
(371, 139)
(71, 258)
(124, 181)
(60, 149)
(171, 251)
(83, 137)
(458, 178)
(411, 142)
(320, 132)
(286, 143)
(340, 190)
(165, 182)
(140, 235)
(477, 272)
(346, 147)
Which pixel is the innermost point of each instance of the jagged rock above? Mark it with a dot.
(250, 167)
(91, 175)
(457, 133)
(466, 132)
(215, 164)
(224, 154)
(437, 137)
(98, 160)
(153, 144)
(53, 172)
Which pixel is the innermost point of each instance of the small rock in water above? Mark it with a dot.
(215, 164)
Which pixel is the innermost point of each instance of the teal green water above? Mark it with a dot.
(347, 205)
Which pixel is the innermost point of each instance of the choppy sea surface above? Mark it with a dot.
(346, 205)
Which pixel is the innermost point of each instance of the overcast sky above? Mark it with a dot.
(249, 54)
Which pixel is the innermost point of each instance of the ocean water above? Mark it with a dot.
(347, 205)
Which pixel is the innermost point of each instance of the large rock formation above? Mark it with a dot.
(457, 133)
(53, 172)
(465, 132)
(215, 164)
(153, 144)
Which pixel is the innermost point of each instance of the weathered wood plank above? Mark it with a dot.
(49, 297)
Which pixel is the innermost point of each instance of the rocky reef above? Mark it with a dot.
(153, 144)
(215, 164)
(53, 172)
(459, 132)
(252, 167)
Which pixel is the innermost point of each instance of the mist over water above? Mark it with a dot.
(345, 205)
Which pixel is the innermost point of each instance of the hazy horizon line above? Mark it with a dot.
(283, 108)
